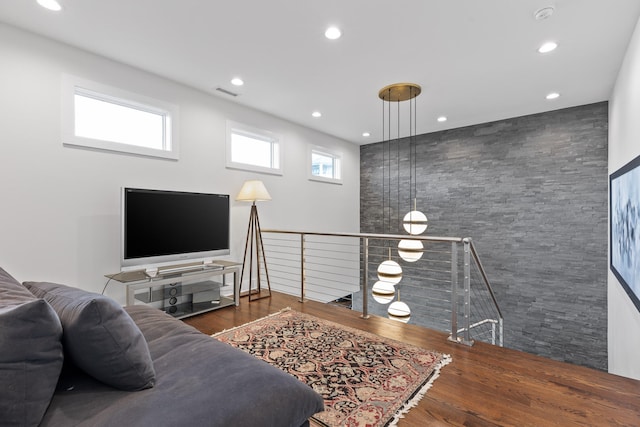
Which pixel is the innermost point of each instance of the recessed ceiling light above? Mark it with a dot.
(333, 33)
(442, 119)
(366, 134)
(236, 81)
(316, 114)
(50, 4)
(553, 95)
(548, 47)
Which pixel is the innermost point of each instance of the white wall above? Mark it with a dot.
(624, 145)
(60, 209)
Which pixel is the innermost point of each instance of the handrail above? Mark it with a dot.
(369, 235)
(484, 277)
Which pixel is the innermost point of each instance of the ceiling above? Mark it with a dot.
(476, 61)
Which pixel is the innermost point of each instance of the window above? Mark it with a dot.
(107, 118)
(325, 165)
(253, 149)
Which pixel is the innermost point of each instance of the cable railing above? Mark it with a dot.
(445, 289)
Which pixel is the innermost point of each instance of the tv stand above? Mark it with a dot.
(183, 290)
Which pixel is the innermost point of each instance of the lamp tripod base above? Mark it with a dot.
(254, 245)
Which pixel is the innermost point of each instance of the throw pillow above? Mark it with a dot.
(99, 336)
(30, 354)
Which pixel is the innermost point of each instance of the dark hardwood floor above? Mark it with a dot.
(484, 385)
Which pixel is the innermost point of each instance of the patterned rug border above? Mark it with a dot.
(413, 401)
(421, 392)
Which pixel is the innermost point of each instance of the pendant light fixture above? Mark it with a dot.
(390, 271)
(409, 250)
(399, 310)
(383, 292)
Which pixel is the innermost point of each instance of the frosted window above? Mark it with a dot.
(107, 121)
(103, 117)
(253, 149)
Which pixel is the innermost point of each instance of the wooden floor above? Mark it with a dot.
(484, 385)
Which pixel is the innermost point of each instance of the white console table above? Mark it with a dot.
(185, 290)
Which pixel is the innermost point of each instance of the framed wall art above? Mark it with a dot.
(624, 227)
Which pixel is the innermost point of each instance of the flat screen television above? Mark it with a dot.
(163, 227)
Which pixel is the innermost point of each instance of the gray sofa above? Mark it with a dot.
(74, 358)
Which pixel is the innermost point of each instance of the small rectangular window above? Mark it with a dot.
(253, 149)
(102, 117)
(325, 165)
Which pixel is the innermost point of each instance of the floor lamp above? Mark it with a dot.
(254, 191)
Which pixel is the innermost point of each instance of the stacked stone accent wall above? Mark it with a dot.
(532, 194)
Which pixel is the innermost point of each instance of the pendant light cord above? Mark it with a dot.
(383, 166)
(415, 152)
(412, 146)
(398, 161)
(389, 166)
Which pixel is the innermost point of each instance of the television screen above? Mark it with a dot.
(164, 226)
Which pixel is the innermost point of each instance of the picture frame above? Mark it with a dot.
(624, 228)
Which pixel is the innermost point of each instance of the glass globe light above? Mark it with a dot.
(390, 271)
(400, 311)
(415, 222)
(383, 292)
(410, 250)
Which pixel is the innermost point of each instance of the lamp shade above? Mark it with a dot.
(253, 191)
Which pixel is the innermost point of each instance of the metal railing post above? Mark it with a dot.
(493, 333)
(467, 292)
(303, 276)
(365, 279)
(454, 292)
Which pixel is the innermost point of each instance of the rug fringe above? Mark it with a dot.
(253, 321)
(446, 359)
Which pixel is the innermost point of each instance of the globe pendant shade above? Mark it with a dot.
(390, 271)
(414, 223)
(383, 292)
(410, 250)
(400, 311)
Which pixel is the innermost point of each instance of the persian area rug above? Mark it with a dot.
(365, 379)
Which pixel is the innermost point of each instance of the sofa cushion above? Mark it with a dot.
(30, 354)
(99, 336)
